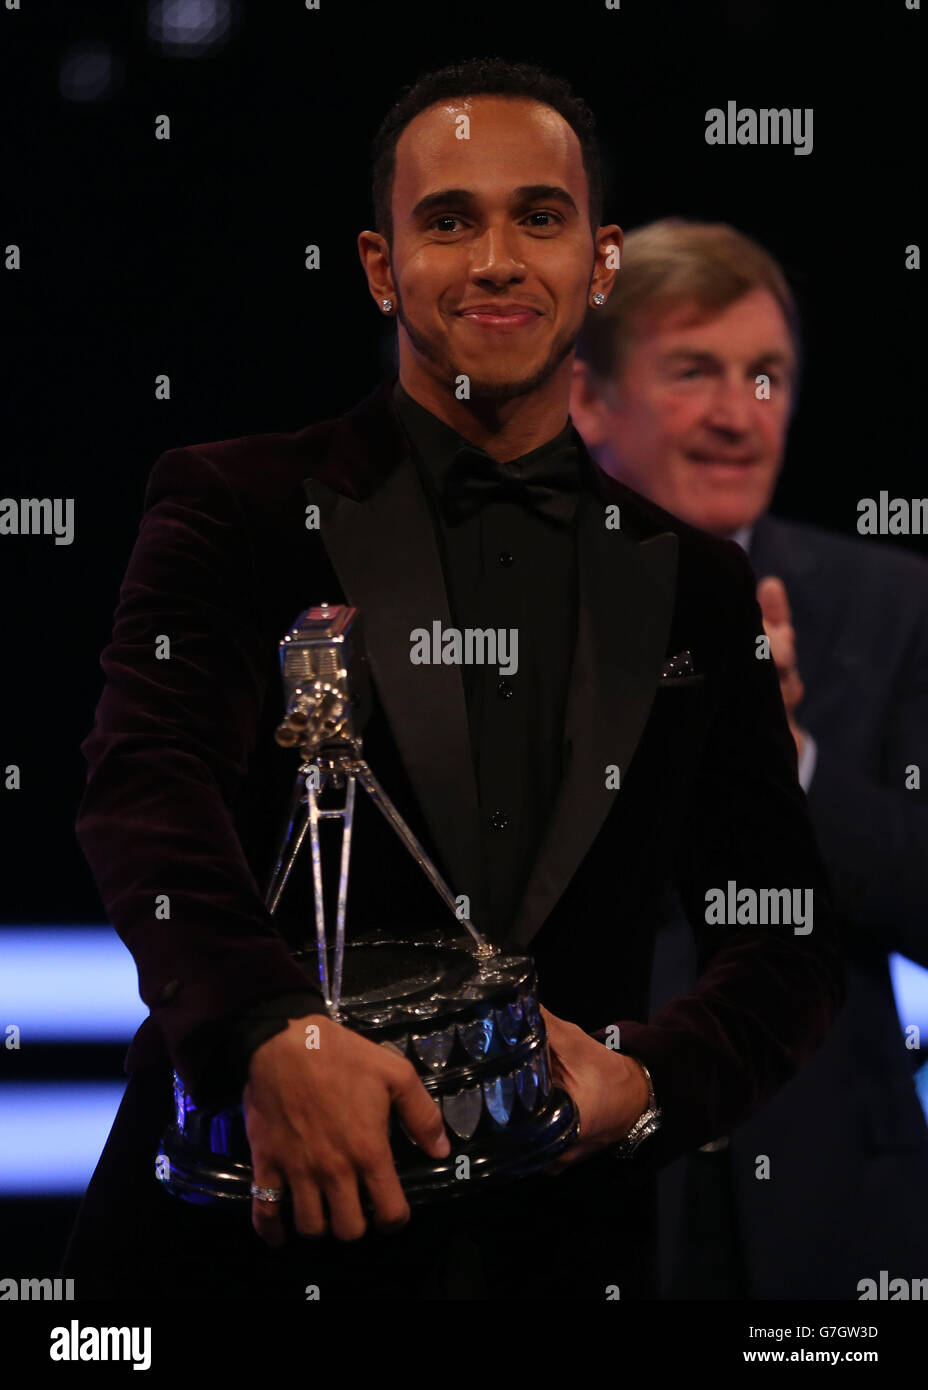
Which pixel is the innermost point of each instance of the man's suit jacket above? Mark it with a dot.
(186, 786)
(847, 1141)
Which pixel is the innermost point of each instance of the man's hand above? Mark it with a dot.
(316, 1120)
(778, 625)
(609, 1090)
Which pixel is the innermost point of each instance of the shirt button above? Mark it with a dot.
(499, 821)
(505, 690)
(504, 558)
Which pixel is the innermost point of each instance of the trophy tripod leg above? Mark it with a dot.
(331, 987)
(385, 806)
(322, 955)
(344, 866)
(286, 858)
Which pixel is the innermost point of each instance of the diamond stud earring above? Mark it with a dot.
(386, 305)
(599, 299)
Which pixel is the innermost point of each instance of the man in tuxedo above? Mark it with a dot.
(639, 742)
(684, 391)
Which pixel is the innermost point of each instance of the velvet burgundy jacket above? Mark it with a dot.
(186, 787)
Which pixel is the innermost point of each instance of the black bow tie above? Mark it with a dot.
(548, 484)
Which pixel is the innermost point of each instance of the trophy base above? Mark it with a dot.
(473, 1030)
(220, 1182)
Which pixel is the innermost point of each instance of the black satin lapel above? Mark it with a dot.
(626, 599)
(384, 552)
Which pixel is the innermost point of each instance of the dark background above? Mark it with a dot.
(185, 257)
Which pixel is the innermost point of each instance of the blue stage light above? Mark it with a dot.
(51, 1135)
(910, 986)
(68, 984)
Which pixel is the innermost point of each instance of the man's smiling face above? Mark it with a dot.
(492, 252)
(686, 424)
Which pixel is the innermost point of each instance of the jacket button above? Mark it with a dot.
(169, 991)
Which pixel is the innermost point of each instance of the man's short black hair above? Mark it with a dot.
(482, 77)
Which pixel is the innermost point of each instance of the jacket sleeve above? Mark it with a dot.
(166, 760)
(766, 994)
(224, 1067)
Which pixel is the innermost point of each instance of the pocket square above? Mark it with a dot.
(678, 667)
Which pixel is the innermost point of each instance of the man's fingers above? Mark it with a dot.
(792, 690)
(420, 1115)
(774, 601)
(345, 1214)
(267, 1217)
(385, 1190)
(778, 625)
(783, 647)
(328, 1131)
(554, 1026)
(308, 1211)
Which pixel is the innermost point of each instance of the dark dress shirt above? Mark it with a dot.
(506, 566)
